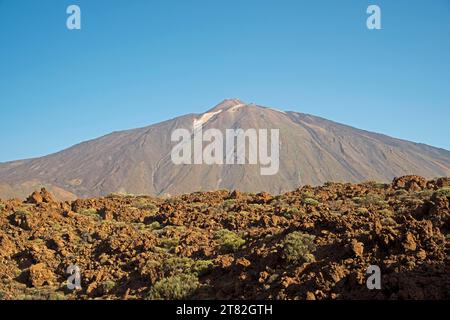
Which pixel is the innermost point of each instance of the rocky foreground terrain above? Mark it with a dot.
(311, 243)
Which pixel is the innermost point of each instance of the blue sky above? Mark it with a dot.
(135, 63)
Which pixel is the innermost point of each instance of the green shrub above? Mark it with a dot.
(57, 296)
(202, 267)
(115, 195)
(369, 199)
(362, 211)
(388, 221)
(298, 247)
(23, 210)
(144, 204)
(307, 194)
(227, 204)
(443, 192)
(228, 240)
(170, 243)
(88, 212)
(292, 212)
(174, 288)
(401, 192)
(2, 206)
(107, 286)
(310, 202)
(176, 266)
(155, 225)
(386, 212)
(425, 193)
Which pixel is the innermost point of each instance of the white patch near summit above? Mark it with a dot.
(204, 118)
(236, 107)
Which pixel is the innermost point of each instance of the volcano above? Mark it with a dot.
(312, 151)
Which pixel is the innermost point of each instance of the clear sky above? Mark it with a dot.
(135, 63)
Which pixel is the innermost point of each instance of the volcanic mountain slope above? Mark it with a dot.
(312, 151)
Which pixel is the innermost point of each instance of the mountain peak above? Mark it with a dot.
(312, 151)
(228, 104)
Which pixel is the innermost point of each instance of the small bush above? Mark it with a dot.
(88, 212)
(155, 225)
(292, 212)
(23, 210)
(401, 192)
(144, 204)
(227, 204)
(228, 240)
(369, 199)
(170, 243)
(362, 211)
(174, 288)
(386, 212)
(388, 221)
(202, 267)
(307, 194)
(443, 192)
(357, 200)
(115, 195)
(425, 193)
(298, 247)
(310, 202)
(107, 286)
(2, 206)
(177, 266)
(289, 213)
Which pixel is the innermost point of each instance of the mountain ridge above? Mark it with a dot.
(313, 150)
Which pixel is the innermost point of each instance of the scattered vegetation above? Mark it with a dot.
(299, 247)
(310, 202)
(177, 265)
(88, 212)
(264, 249)
(443, 192)
(362, 211)
(107, 286)
(23, 210)
(425, 193)
(144, 204)
(386, 212)
(170, 243)
(155, 225)
(370, 199)
(174, 288)
(291, 212)
(228, 240)
(401, 192)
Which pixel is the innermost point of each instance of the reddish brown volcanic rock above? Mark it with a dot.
(311, 243)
